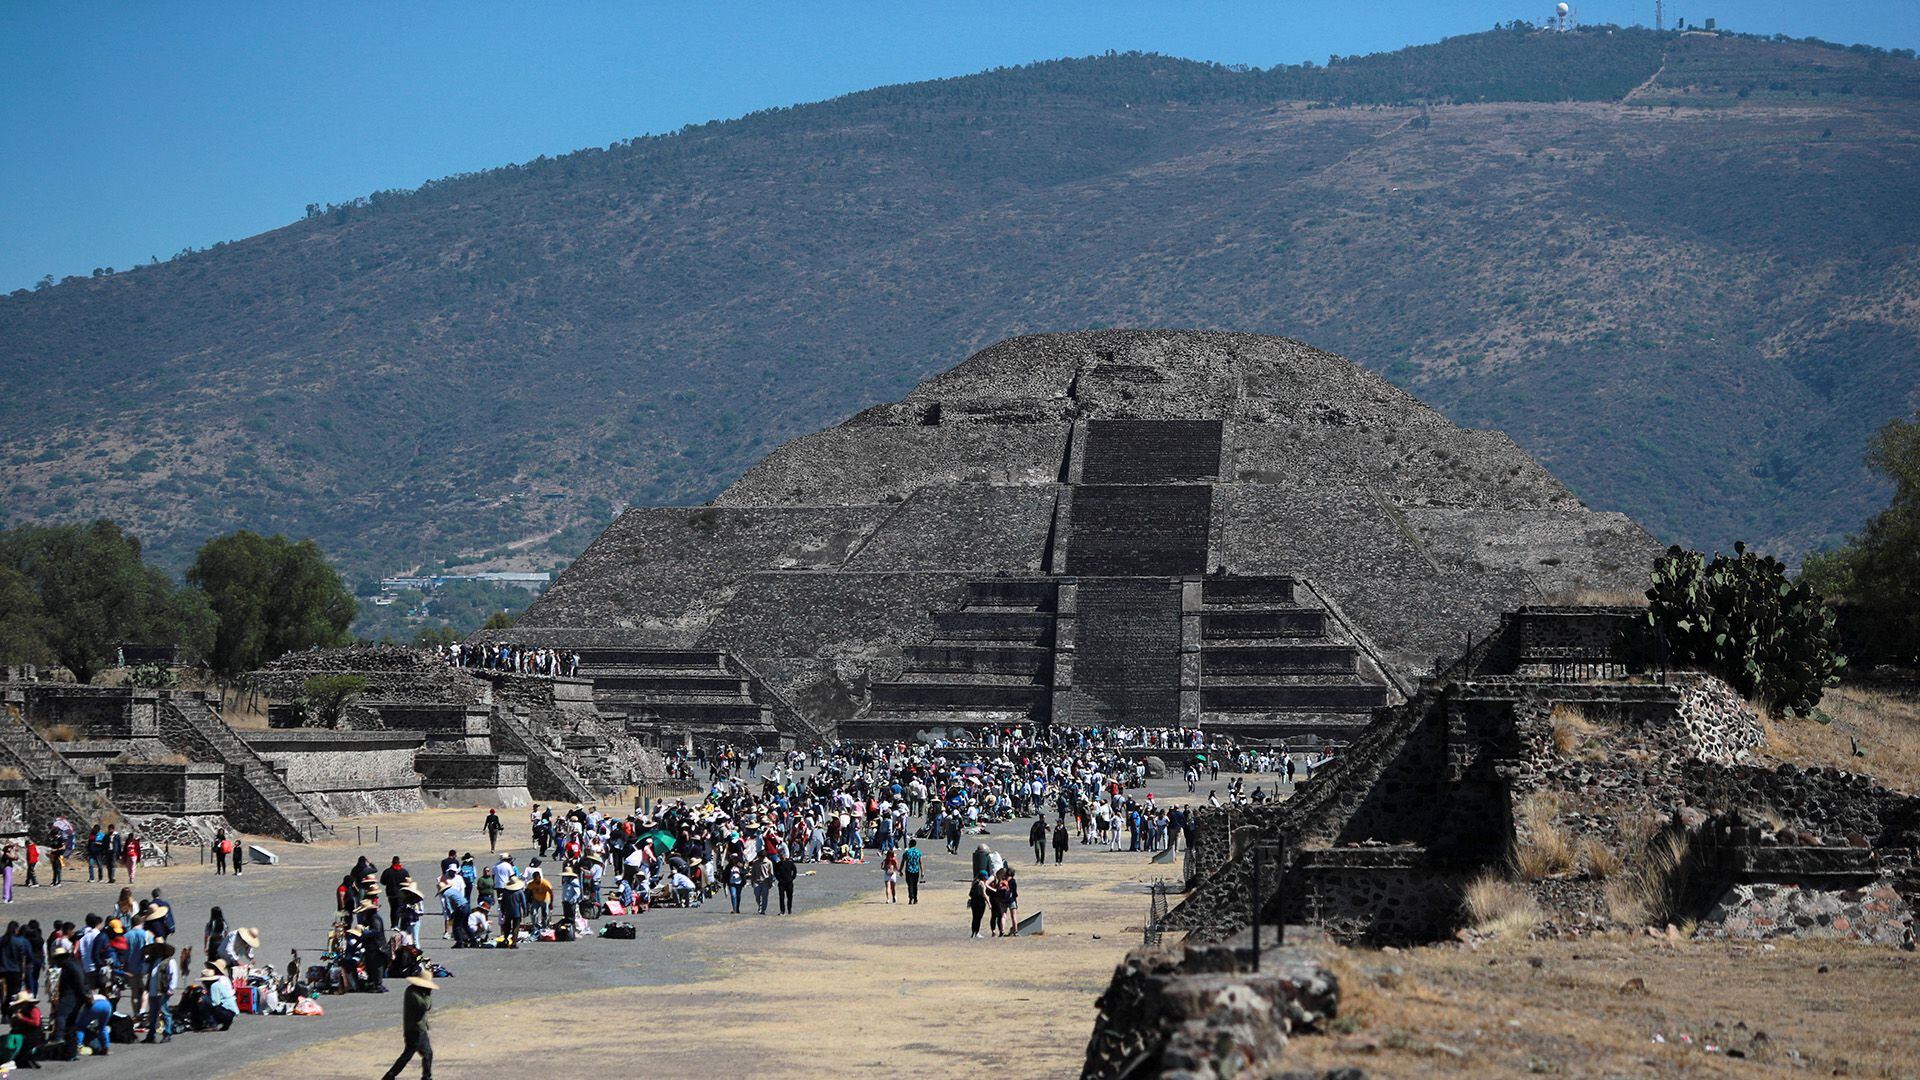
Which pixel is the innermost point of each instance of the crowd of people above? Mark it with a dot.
(761, 817)
(121, 976)
(515, 659)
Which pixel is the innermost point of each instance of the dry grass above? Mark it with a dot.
(1574, 735)
(1543, 849)
(1501, 908)
(8, 772)
(1515, 1008)
(1600, 861)
(1594, 598)
(58, 732)
(1886, 728)
(1648, 891)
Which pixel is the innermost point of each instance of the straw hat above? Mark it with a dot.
(514, 884)
(250, 935)
(411, 888)
(369, 904)
(159, 911)
(424, 981)
(220, 965)
(24, 997)
(159, 950)
(354, 931)
(209, 975)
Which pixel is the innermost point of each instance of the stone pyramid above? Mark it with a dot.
(1112, 527)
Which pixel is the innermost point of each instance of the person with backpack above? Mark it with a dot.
(736, 879)
(911, 866)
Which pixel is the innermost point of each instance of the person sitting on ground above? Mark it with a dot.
(218, 1006)
(23, 1019)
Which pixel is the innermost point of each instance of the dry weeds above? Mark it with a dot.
(1574, 735)
(1543, 849)
(1647, 892)
(1501, 908)
(1885, 727)
(1571, 1008)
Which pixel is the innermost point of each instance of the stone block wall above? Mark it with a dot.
(14, 813)
(350, 773)
(188, 791)
(1201, 1011)
(473, 779)
(1874, 913)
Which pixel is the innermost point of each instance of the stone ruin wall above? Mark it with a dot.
(350, 774)
(1189, 1012)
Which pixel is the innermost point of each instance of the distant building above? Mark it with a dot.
(532, 582)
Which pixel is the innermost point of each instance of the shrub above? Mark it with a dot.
(324, 696)
(1573, 733)
(1656, 884)
(1740, 618)
(153, 677)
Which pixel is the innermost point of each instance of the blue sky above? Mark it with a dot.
(133, 130)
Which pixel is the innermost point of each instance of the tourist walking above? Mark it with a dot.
(763, 877)
(911, 867)
(784, 871)
(493, 827)
(414, 1021)
(977, 900)
(1037, 836)
(1060, 841)
(890, 873)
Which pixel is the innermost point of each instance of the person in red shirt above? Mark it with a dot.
(33, 863)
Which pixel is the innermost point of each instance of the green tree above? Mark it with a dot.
(1876, 574)
(324, 697)
(1743, 620)
(499, 620)
(24, 626)
(272, 595)
(96, 593)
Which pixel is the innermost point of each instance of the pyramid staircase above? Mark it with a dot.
(666, 693)
(258, 798)
(551, 777)
(1268, 668)
(990, 662)
(57, 787)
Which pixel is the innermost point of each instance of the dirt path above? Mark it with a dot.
(830, 992)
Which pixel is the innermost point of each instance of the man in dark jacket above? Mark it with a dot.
(1037, 836)
(391, 879)
(374, 939)
(1060, 841)
(75, 997)
(413, 1022)
(784, 871)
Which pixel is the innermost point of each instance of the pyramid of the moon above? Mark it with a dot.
(1114, 527)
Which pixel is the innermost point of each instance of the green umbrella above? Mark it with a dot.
(661, 838)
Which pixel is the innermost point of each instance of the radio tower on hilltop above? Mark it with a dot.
(1659, 15)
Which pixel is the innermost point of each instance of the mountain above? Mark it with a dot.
(1679, 269)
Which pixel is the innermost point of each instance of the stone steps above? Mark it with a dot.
(897, 696)
(669, 659)
(1150, 451)
(946, 658)
(1263, 623)
(1002, 627)
(1292, 658)
(673, 684)
(1235, 591)
(1029, 593)
(1323, 697)
(298, 821)
(1140, 530)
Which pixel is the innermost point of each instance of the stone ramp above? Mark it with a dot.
(1139, 530)
(550, 777)
(1151, 451)
(257, 798)
(1126, 663)
(55, 787)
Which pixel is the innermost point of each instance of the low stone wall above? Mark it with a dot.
(350, 773)
(1874, 914)
(1377, 895)
(13, 810)
(1201, 1012)
(473, 779)
(194, 793)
